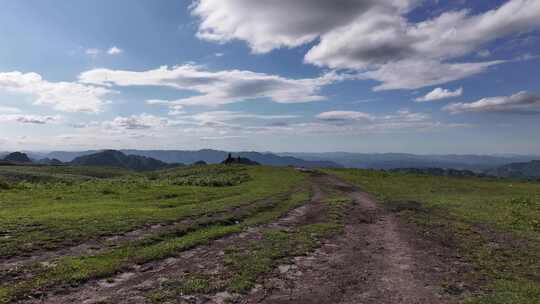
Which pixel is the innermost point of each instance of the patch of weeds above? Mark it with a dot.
(208, 176)
(510, 292)
(524, 213)
(195, 283)
(167, 196)
(107, 191)
(4, 185)
(192, 283)
(400, 206)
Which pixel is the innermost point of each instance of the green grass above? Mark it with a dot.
(211, 176)
(246, 263)
(278, 246)
(35, 215)
(78, 269)
(493, 223)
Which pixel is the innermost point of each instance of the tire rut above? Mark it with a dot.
(135, 281)
(99, 245)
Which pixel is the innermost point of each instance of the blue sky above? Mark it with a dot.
(419, 76)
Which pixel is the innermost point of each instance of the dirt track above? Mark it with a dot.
(378, 259)
(374, 261)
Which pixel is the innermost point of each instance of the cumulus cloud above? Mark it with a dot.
(137, 122)
(521, 103)
(29, 119)
(266, 25)
(440, 93)
(115, 51)
(216, 88)
(368, 35)
(62, 96)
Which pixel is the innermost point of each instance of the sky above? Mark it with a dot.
(417, 76)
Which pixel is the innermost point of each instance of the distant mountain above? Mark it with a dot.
(387, 161)
(439, 172)
(113, 158)
(18, 157)
(526, 170)
(270, 159)
(50, 162)
(208, 156)
(67, 156)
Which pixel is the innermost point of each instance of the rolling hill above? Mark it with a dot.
(526, 170)
(113, 158)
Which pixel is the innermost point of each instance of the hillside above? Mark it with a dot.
(117, 159)
(527, 170)
(17, 157)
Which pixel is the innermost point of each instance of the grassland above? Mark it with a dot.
(494, 223)
(50, 208)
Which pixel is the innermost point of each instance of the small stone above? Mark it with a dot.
(284, 268)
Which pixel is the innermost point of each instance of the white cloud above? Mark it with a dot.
(92, 52)
(224, 116)
(219, 54)
(137, 122)
(266, 25)
(415, 74)
(216, 88)
(368, 35)
(176, 110)
(115, 51)
(521, 103)
(9, 110)
(347, 122)
(29, 119)
(344, 116)
(62, 96)
(440, 93)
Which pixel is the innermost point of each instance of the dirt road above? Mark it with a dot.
(376, 260)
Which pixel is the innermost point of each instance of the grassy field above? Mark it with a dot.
(494, 223)
(49, 208)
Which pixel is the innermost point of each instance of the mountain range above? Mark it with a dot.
(388, 161)
(515, 166)
(207, 155)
